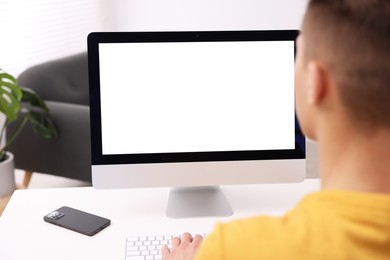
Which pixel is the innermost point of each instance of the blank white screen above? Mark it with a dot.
(196, 97)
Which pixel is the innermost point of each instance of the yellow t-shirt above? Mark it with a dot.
(324, 225)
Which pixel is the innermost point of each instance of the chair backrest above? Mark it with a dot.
(63, 84)
(64, 80)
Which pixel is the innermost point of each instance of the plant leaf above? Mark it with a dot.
(33, 98)
(41, 123)
(10, 96)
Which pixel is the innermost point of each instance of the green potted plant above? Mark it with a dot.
(33, 111)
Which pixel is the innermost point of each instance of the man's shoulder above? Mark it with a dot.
(319, 222)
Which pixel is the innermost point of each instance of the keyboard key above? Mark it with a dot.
(133, 253)
(148, 247)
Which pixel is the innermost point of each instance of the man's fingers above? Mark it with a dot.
(165, 251)
(175, 242)
(184, 247)
(197, 240)
(186, 238)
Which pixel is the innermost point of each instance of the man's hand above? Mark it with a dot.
(182, 249)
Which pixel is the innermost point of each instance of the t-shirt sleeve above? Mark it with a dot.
(211, 247)
(251, 238)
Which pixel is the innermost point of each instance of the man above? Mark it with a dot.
(342, 75)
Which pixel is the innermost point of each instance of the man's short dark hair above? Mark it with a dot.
(352, 37)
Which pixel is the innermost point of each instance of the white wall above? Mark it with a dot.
(207, 14)
(40, 30)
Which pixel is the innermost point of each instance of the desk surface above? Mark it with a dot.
(24, 234)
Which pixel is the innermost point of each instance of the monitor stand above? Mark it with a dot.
(190, 202)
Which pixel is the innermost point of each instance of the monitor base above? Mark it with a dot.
(193, 202)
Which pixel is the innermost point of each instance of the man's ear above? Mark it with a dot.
(317, 83)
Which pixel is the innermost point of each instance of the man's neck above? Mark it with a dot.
(354, 161)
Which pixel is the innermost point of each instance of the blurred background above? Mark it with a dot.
(36, 31)
(33, 32)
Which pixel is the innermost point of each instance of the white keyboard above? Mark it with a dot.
(147, 247)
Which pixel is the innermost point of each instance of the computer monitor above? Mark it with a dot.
(193, 111)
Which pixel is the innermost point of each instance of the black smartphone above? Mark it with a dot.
(77, 220)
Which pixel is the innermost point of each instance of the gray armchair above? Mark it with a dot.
(63, 84)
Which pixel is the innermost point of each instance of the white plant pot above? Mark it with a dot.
(7, 175)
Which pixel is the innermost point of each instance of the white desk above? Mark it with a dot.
(24, 234)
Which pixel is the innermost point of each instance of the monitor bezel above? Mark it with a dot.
(98, 158)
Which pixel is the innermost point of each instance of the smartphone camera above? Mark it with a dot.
(55, 215)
